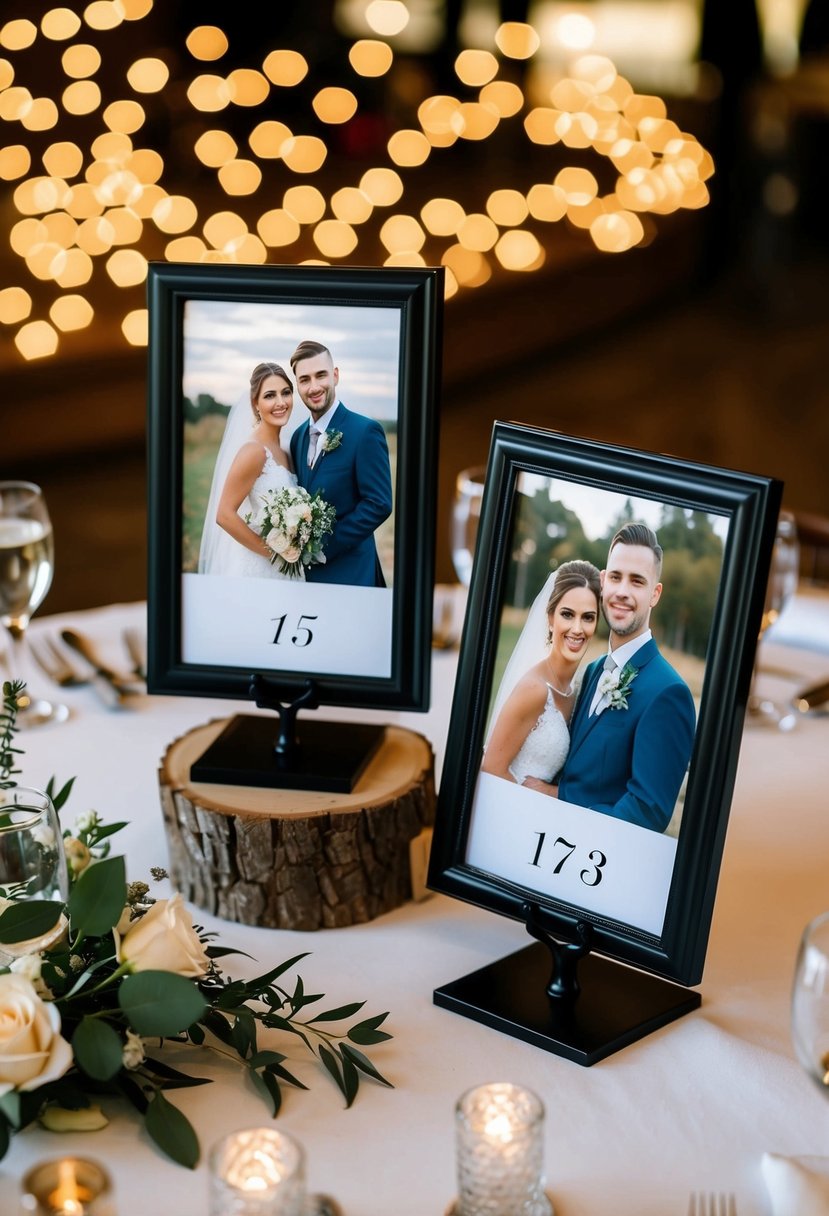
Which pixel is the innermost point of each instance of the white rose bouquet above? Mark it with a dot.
(293, 523)
(90, 991)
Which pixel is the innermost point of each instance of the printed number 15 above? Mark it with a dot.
(307, 637)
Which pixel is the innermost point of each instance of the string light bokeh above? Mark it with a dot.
(263, 165)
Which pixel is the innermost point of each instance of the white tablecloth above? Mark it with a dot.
(693, 1106)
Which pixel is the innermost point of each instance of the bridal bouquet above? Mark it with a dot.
(293, 524)
(90, 991)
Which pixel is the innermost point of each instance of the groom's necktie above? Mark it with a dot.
(609, 664)
(312, 446)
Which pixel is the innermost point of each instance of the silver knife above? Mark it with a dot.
(121, 684)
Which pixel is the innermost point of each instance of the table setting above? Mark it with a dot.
(717, 1114)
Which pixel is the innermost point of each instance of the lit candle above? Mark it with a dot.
(499, 1132)
(69, 1186)
(257, 1172)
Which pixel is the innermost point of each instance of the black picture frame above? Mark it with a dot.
(742, 509)
(385, 318)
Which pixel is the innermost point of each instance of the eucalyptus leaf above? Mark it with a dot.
(59, 798)
(351, 1079)
(336, 1015)
(97, 1048)
(160, 1003)
(98, 897)
(332, 1066)
(172, 1131)
(363, 1063)
(365, 1033)
(27, 919)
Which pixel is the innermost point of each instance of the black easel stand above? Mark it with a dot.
(326, 756)
(585, 1009)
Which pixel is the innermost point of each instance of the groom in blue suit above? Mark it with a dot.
(632, 730)
(345, 456)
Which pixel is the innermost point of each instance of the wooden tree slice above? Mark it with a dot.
(297, 859)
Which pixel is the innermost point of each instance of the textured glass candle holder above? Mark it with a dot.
(500, 1153)
(68, 1186)
(257, 1172)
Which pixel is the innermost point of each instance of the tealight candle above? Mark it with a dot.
(500, 1151)
(68, 1186)
(257, 1172)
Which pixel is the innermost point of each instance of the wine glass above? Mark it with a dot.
(782, 585)
(32, 859)
(26, 566)
(466, 515)
(810, 1001)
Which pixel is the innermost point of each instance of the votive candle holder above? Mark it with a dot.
(500, 1152)
(257, 1171)
(67, 1186)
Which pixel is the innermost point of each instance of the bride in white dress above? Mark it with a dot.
(530, 739)
(250, 461)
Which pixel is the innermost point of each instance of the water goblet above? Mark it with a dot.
(810, 1002)
(466, 515)
(26, 567)
(32, 860)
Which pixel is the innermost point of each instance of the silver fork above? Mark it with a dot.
(55, 663)
(712, 1204)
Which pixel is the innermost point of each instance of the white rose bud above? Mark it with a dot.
(32, 1050)
(78, 855)
(164, 940)
(133, 1053)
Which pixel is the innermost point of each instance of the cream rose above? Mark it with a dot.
(32, 1051)
(164, 940)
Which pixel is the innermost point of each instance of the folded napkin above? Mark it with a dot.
(795, 1188)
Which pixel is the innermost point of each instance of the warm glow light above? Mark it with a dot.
(127, 268)
(351, 205)
(579, 185)
(95, 236)
(368, 57)
(71, 312)
(470, 268)
(334, 105)
(639, 106)
(14, 161)
(627, 154)
(577, 130)
(267, 138)
(126, 226)
(185, 249)
(285, 68)
(507, 207)
(75, 271)
(46, 261)
(36, 340)
(83, 202)
(442, 216)
(119, 189)
(402, 232)
(657, 133)
(59, 24)
(547, 202)
(597, 69)
(474, 121)
(519, 250)
(135, 327)
(304, 153)
(208, 93)
(113, 146)
(582, 215)
(25, 234)
(40, 194)
(405, 258)
(478, 233)
(6, 74)
(63, 160)
(435, 115)
(148, 75)
(540, 125)
(450, 284)
(124, 116)
(409, 148)
(102, 15)
(517, 40)
(18, 35)
(240, 177)
(575, 31)
(503, 97)
(476, 68)
(146, 164)
(334, 239)
(80, 60)
(616, 233)
(387, 17)
(134, 10)
(151, 196)
(383, 186)
(15, 305)
(42, 116)
(60, 228)
(175, 213)
(278, 228)
(206, 42)
(223, 228)
(82, 97)
(15, 102)
(572, 95)
(215, 148)
(304, 203)
(247, 87)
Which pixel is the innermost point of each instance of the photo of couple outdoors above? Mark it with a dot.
(598, 699)
(304, 509)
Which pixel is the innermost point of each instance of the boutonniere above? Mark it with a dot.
(615, 685)
(331, 440)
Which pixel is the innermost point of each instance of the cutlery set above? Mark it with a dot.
(114, 687)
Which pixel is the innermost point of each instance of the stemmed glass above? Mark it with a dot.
(810, 1001)
(782, 584)
(32, 859)
(26, 567)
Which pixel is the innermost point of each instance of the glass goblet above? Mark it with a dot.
(810, 1001)
(466, 515)
(26, 566)
(32, 861)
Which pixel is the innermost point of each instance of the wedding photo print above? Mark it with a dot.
(292, 419)
(598, 675)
